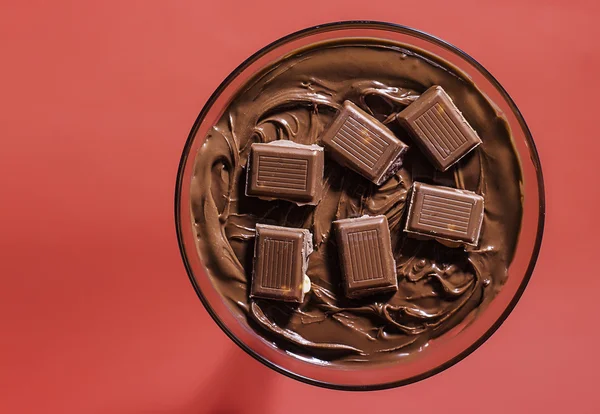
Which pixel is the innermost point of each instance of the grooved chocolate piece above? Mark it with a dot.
(445, 213)
(287, 171)
(280, 263)
(439, 128)
(366, 258)
(360, 142)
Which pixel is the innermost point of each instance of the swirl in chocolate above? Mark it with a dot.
(440, 287)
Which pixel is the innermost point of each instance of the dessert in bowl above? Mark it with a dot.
(359, 205)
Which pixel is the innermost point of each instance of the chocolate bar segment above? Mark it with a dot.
(439, 128)
(280, 263)
(445, 214)
(360, 142)
(287, 171)
(365, 252)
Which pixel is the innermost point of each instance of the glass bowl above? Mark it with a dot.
(445, 350)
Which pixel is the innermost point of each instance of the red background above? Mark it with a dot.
(96, 312)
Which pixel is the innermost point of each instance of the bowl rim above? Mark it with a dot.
(331, 26)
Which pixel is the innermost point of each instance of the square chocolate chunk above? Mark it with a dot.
(280, 263)
(365, 251)
(360, 142)
(445, 213)
(439, 128)
(287, 171)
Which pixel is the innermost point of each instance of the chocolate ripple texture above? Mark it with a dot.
(440, 288)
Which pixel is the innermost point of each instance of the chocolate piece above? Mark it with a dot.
(439, 128)
(287, 171)
(445, 213)
(366, 258)
(362, 143)
(280, 262)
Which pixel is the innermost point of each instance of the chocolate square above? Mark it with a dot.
(360, 142)
(287, 171)
(365, 252)
(445, 213)
(439, 128)
(280, 263)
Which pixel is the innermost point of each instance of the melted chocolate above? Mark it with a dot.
(439, 287)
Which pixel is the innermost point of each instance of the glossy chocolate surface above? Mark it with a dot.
(440, 288)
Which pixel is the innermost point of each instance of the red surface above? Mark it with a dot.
(96, 312)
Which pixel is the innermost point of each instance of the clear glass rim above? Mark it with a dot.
(361, 24)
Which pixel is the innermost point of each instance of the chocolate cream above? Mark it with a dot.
(439, 287)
